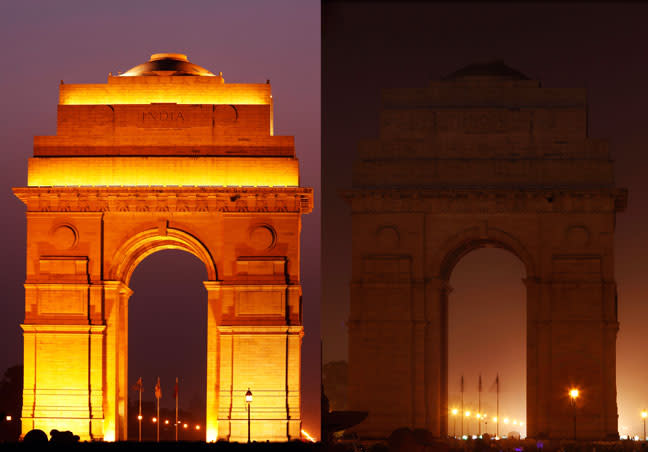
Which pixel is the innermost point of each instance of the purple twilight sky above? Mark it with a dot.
(44, 42)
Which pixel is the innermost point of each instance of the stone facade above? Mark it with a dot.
(153, 161)
(483, 158)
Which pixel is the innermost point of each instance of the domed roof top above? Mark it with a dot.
(494, 69)
(167, 64)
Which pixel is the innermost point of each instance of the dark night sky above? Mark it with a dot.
(599, 46)
(80, 42)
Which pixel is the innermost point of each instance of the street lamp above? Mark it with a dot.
(454, 422)
(573, 395)
(248, 401)
(644, 415)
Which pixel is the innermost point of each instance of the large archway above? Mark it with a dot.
(164, 156)
(487, 344)
(167, 338)
(483, 158)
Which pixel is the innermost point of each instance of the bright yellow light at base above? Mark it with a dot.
(308, 437)
(573, 393)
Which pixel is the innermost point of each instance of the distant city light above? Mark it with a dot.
(166, 421)
(154, 420)
(506, 420)
(185, 425)
(139, 417)
(454, 411)
(574, 393)
(495, 419)
(197, 427)
(514, 422)
(644, 414)
(8, 418)
(467, 413)
(464, 437)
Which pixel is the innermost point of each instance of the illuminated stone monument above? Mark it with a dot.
(164, 156)
(485, 157)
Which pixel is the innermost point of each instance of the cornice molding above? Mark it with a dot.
(166, 199)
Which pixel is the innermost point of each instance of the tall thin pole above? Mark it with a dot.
(248, 407)
(158, 395)
(462, 406)
(139, 417)
(177, 396)
(573, 400)
(497, 414)
(479, 413)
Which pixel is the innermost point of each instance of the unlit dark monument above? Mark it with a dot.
(484, 157)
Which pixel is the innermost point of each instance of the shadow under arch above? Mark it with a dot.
(147, 242)
(474, 238)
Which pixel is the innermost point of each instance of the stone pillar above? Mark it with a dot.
(213, 358)
(436, 356)
(116, 295)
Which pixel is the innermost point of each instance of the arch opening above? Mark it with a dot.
(487, 336)
(167, 331)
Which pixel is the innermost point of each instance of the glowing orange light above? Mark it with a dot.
(185, 425)
(197, 427)
(573, 393)
(454, 411)
(169, 171)
(139, 417)
(308, 437)
(467, 413)
(154, 420)
(644, 414)
(8, 418)
(166, 421)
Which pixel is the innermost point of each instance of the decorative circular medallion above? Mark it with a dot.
(388, 237)
(262, 237)
(64, 237)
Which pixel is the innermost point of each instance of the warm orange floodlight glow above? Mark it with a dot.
(139, 417)
(186, 425)
(248, 396)
(495, 419)
(180, 90)
(467, 413)
(308, 437)
(197, 427)
(166, 421)
(506, 420)
(163, 171)
(8, 418)
(154, 420)
(573, 393)
(454, 411)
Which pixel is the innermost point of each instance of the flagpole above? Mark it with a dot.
(158, 394)
(479, 413)
(139, 417)
(497, 414)
(462, 405)
(176, 419)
